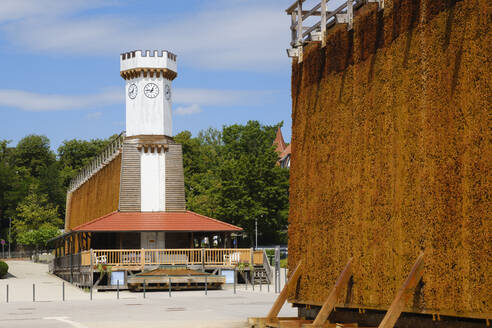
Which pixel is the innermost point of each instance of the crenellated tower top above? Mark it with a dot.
(148, 62)
(148, 75)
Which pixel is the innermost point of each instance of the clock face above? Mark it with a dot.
(132, 91)
(167, 92)
(151, 90)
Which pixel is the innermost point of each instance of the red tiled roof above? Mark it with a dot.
(286, 152)
(155, 221)
(279, 142)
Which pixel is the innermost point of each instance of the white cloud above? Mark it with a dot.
(35, 102)
(94, 116)
(20, 9)
(216, 97)
(242, 35)
(189, 100)
(188, 110)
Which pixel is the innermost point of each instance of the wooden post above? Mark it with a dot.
(91, 270)
(293, 27)
(70, 247)
(203, 259)
(282, 297)
(142, 258)
(323, 23)
(331, 300)
(350, 14)
(252, 267)
(404, 294)
(299, 23)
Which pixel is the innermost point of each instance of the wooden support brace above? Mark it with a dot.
(404, 294)
(271, 318)
(331, 300)
(282, 297)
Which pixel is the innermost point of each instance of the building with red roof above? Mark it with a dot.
(132, 195)
(282, 149)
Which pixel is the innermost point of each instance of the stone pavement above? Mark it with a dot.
(220, 308)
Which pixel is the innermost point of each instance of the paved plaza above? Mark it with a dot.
(220, 308)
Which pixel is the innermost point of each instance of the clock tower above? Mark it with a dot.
(152, 163)
(148, 75)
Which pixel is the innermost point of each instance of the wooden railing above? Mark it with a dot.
(311, 24)
(106, 156)
(142, 257)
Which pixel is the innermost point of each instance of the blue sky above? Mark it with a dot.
(60, 63)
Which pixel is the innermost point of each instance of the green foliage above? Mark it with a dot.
(232, 176)
(104, 269)
(242, 266)
(33, 153)
(75, 154)
(33, 183)
(4, 268)
(34, 211)
(37, 220)
(284, 263)
(39, 237)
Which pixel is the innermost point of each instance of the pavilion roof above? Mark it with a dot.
(155, 221)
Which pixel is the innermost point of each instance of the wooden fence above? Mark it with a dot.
(142, 257)
(311, 24)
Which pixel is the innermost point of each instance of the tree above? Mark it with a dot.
(7, 175)
(253, 187)
(75, 154)
(232, 176)
(36, 219)
(39, 237)
(33, 153)
(200, 163)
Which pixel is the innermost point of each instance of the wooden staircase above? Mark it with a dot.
(261, 275)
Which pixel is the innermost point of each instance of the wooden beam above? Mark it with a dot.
(323, 23)
(404, 294)
(331, 300)
(293, 6)
(282, 297)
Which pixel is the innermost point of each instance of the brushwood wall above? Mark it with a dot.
(96, 197)
(391, 156)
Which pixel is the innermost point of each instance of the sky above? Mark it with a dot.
(59, 63)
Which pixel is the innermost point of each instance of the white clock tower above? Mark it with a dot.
(151, 158)
(148, 75)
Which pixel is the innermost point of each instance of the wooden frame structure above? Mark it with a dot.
(78, 268)
(401, 298)
(302, 33)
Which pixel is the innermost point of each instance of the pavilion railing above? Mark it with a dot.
(190, 256)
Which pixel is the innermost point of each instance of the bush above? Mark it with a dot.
(4, 268)
(283, 263)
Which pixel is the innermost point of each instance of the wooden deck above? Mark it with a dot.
(175, 279)
(140, 258)
(81, 268)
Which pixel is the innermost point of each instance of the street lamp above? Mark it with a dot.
(256, 233)
(10, 239)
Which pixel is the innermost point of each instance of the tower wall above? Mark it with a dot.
(391, 156)
(148, 76)
(130, 179)
(175, 193)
